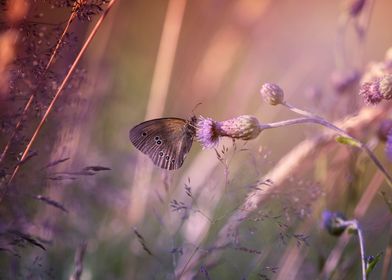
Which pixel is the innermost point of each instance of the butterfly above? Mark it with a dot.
(166, 141)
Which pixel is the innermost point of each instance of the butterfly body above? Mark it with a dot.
(166, 141)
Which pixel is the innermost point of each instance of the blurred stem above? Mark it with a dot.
(312, 118)
(186, 264)
(78, 263)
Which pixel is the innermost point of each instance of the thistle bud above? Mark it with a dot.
(334, 222)
(272, 94)
(243, 127)
(386, 87)
(388, 147)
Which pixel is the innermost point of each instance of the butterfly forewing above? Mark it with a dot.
(166, 141)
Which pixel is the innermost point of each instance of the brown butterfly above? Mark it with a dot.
(166, 141)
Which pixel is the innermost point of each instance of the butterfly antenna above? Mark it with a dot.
(192, 121)
(194, 108)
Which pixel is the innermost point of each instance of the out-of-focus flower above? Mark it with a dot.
(7, 54)
(272, 94)
(376, 70)
(354, 7)
(243, 127)
(385, 134)
(388, 146)
(384, 129)
(16, 10)
(343, 81)
(334, 222)
(377, 90)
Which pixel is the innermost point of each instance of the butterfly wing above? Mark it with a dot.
(166, 141)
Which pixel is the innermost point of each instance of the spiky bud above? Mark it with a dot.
(243, 127)
(386, 87)
(272, 94)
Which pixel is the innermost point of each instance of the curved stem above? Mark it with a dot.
(362, 248)
(317, 119)
(354, 225)
(298, 111)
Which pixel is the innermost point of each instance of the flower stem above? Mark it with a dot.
(312, 118)
(354, 225)
(362, 248)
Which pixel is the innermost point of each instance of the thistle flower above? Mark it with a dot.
(343, 81)
(206, 132)
(370, 92)
(243, 127)
(272, 94)
(377, 90)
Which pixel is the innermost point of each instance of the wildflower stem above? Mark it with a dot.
(362, 248)
(354, 225)
(312, 118)
(300, 111)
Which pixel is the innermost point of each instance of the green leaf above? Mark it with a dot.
(371, 263)
(347, 141)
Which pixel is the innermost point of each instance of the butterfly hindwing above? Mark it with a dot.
(166, 141)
